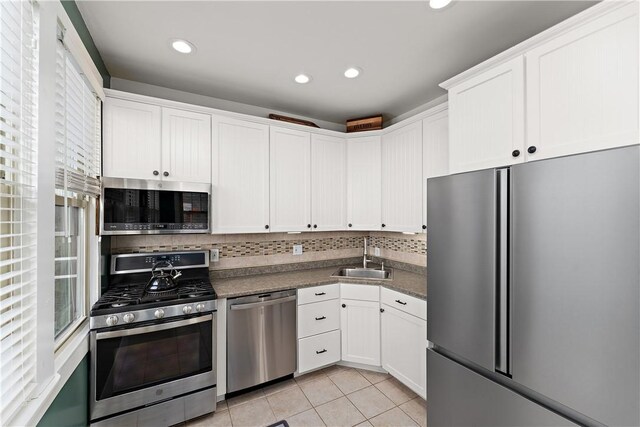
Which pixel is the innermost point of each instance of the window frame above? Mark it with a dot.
(84, 254)
(55, 366)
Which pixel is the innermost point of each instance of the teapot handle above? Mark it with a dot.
(166, 264)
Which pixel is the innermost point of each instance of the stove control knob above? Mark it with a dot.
(159, 313)
(199, 306)
(112, 320)
(187, 309)
(128, 317)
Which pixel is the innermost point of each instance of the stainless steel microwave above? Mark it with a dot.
(132, 206)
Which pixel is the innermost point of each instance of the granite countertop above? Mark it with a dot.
(410, 283)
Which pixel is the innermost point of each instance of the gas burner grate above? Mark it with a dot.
(159, 296)
(130, 294)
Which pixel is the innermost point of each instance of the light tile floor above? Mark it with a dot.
(336, 397)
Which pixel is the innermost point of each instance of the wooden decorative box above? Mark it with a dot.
(292, 120)
(364, 124)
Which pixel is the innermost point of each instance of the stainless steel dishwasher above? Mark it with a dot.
(261, 338)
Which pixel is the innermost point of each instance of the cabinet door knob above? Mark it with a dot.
(324, 350)
(384, 225)
(382, 310)
(321, 318)
(266, 227)
(515, 153)
(308, 225)
(350, 225)
(424, 227)
(531, 149)
(165, 173)
(344, 305)
(315, 225)
(156, 173)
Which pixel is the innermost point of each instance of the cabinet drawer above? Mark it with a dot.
(318, 293)
(319, 350)
(403, 302)
(360, 292)
(318, 317)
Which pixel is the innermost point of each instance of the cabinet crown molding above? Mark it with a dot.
(582, 18)
(440, 104)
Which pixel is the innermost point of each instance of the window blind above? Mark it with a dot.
(18, 199)
(78, 148)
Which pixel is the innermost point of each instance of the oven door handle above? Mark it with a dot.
(153, 328)
(262, 303)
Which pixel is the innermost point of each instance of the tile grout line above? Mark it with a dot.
(347, 396)
(297, 413)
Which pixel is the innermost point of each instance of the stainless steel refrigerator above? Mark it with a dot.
(533, 275)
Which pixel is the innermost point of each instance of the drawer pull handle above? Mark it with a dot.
(400, 302)
(321, 318)
(318, 294)
(324, 350)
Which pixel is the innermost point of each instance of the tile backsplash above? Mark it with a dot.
(252, 250)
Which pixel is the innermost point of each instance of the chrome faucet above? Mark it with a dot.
(364, 258)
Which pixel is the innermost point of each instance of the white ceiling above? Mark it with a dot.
(249, 52)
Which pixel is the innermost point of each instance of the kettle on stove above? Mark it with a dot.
(162, 281)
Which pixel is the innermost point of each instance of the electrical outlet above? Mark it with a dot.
(297, 249)
(215, 255)
(376, 251)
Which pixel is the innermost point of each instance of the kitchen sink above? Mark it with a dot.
(364, 273)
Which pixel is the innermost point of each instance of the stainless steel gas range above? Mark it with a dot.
(153, 341)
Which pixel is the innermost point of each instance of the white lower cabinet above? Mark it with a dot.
(366, 325)
(318, 327)
(360, 324)
(317, 318)
(318, 350)
(403, 321)
(318, 293)
(404, 348)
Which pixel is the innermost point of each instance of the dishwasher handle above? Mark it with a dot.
(262, 303)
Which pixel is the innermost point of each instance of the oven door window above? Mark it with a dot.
(128, 363)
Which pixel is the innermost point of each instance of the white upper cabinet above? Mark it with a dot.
(435, 152)
(328, 182)
(240, 176)
(144, 141)
(571, 89)
(132, 143)
(582, 87)
(364, 163)
(402, 179)
(486, 118)
(186, 146)
(290, 180)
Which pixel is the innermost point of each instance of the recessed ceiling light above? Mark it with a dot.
(302, 79)
(352, 73)
(438, 4)
(182, 46)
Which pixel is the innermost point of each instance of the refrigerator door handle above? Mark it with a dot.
(502, 286)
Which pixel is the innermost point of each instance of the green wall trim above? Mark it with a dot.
(71, 8)
(70, 408)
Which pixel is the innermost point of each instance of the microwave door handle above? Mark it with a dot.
(152, 328)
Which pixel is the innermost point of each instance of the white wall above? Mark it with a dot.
(208, 101)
